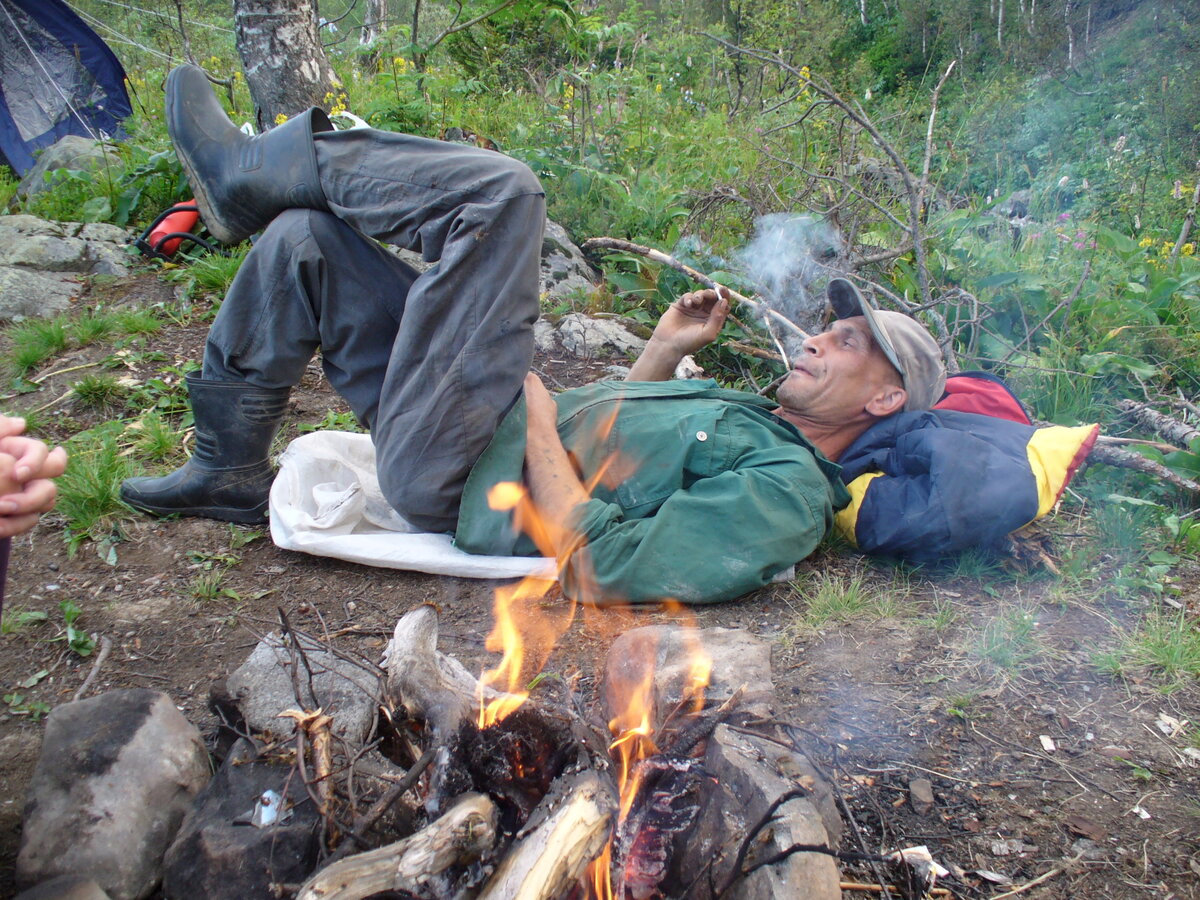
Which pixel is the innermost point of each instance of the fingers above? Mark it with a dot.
(11, 425)
(11, 526)
(37, 497)
(33, 458)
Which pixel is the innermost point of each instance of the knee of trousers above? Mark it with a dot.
(293, 227)
(427, 503)
(518, 178)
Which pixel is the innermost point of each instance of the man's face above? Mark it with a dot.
(839, 374)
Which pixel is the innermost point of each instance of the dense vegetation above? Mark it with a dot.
(1040, 223)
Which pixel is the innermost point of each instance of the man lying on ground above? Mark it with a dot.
(647, 489)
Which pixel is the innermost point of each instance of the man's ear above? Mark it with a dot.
(887, 400)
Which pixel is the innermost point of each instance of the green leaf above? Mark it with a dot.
(98, 209)
(33, 679)
(998, 279)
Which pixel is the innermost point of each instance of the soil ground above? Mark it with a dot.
(900, 689)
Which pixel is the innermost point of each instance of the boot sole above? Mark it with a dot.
(219, 229)
(253, 516)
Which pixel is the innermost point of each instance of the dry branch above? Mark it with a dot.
(1178, 433)
(1114, 456)
(607, 243)
(556, 847)
(460, 837)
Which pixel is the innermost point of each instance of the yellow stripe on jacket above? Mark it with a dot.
(846, 519)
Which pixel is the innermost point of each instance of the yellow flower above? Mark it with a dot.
(1146, 242)
(805, 72)
(280, 118)
(401, 64)
(1188, 249)
(658, 88)
(1166, 248)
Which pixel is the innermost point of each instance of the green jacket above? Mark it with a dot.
(703, 495)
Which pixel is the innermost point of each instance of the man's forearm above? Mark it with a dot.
(555, 489)
(657, 363)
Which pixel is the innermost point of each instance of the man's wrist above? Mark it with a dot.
(656, 363)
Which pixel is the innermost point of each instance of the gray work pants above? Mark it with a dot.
(431, 361)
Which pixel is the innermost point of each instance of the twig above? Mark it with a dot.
(41, 378)
(1173, 430)
(1046, 876)
(1111, 441)
(382, 805)
(105, 647)
(607, 243)
(1114, 456)
(756, 352)
(879, 889)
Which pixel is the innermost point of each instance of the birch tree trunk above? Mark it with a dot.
(286, 68)
(373, 16)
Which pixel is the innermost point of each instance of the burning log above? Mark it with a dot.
(459, 838)
(566, 832)
(670, 794)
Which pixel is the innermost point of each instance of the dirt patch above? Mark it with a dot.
(879, 697)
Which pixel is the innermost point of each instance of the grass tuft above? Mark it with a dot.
(825, 599)
(103, 393)
(89, 491)
(1009, 640)
(35, 341)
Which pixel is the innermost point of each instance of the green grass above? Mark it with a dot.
(92, 326)
(333, 421)
(89, 491)
(138, 321)
(103, 393)
(35, 341)
(212, 273)
(1009, 640)
(824, 600)
(153, 437)
(1168, 646)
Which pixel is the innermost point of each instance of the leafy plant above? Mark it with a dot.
(78, 640)
(17, 620)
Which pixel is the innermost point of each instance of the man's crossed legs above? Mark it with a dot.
(430, 361)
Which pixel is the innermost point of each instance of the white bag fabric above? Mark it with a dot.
(326, 501)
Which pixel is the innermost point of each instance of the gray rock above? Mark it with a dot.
(26, 294)
(566, 273)
(214, 858)
(262, 687)
(41, 262)
(739, 659)
(65, 887)
(753, 773)
(585, 337)
(70, 152)
(115, 777)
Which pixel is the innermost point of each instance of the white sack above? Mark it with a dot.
(326, 501)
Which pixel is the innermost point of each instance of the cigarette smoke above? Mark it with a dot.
(787, 261)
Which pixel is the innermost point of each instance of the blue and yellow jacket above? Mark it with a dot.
(964, 474)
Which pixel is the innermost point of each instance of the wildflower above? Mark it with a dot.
(658, 88)
(1064, 217)
(401, 65)
(1078, 245)
(1177, 193)
(1166, 248)
(1064, 181)
(805, 72)
(1146, 242)
(1188, 249)
(280, 118)
(1119, 146)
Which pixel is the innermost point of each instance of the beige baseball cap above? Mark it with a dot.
(903, 340)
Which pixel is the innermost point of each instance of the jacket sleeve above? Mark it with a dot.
(939, 491)
(715, 540)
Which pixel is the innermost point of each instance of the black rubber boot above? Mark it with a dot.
(229, 475)
(241, 183)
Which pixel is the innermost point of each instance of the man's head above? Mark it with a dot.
(868, 365)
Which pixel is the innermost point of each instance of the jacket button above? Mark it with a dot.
(702, 435)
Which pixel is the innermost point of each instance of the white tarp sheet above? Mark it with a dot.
(326, 501)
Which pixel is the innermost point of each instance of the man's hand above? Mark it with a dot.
(27, 466)
(691, 322)
(554, 486)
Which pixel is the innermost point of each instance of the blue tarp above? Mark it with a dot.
(57, 77)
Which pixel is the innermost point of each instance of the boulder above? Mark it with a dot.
(116, 775)
(262, 687)
(41, 262)
(587, 338)
(566, 273)
(218, 855)
(753, 773)
(65, 887)
(70, 152)
(739, 660)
